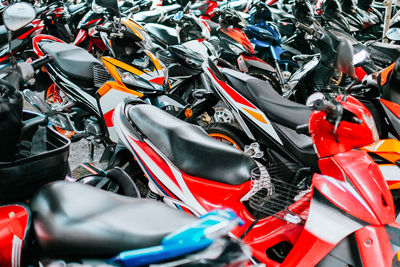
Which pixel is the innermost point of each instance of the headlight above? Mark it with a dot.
(128, 78)
(97, 9)
(146, 42)
(371, 125)
(236, 49)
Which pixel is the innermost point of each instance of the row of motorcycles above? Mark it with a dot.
(275, 123)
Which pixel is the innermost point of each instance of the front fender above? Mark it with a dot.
(245, 62)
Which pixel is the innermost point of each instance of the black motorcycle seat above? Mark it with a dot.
(73, 61)
(74, 8)
(263, 95)
(151, 16)
(163, 34)
(391, 51)
(76, 220)
(190, 148)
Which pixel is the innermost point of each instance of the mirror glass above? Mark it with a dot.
(393, 34)
(345, 57)
(314, 97)
(18, 15)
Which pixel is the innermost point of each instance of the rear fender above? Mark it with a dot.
(245, 62)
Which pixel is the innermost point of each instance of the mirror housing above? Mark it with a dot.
(345, 57)
(18, 15)
(314, 97)
(109, 4)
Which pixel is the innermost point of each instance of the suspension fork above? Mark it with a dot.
(277, 67)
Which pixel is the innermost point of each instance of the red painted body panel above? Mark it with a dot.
(239, 36)
(360, 73)
(365, 175)
(235, 95)
(39, 38)
(393, 107)
(348, 135)
(374, 245)
(14, 224)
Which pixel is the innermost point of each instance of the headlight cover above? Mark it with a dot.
(371, 124)
(236, 49)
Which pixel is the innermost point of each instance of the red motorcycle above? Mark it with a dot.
(22, 39)
(346, 217)
(88, 37)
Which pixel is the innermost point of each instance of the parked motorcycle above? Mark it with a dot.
(280, 218)
(268, 44)
(56, 20)
(84, 97)
(139, 232)
(18, 41)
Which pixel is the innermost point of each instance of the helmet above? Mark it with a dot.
(349, 5)
(302, 11)
(230, 17)
(190, 28)
(330, 7)
(260, 12)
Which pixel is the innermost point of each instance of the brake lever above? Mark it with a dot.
(338, 119)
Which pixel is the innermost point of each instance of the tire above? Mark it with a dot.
(117, 182)
(266, 76)
(228, 133)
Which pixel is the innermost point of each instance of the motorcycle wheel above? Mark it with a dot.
(117, 182)
(228, 134)
(266, 76)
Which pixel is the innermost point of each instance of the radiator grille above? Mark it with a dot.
(100, 75)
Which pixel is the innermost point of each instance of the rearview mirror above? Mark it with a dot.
(110, 4)
(345, 57)
(393, 34)
(18, 15)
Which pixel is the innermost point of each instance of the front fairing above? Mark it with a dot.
(266, 34)
(89, 20)
(237, 37)
(146, 74)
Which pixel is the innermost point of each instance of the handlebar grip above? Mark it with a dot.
(38, 63)
(302, 129)
(304, 28)
(103, 29)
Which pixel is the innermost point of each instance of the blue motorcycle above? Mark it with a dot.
(266, 39)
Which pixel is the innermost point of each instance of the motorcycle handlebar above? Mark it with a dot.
(103, 29)
(302, 129)
(38, 63)
(327, 107)
(305, 28)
